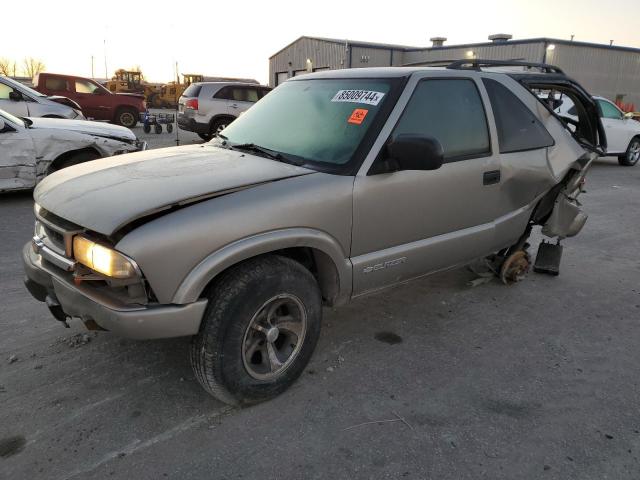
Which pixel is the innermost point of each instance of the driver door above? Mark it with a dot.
(93, 100)
(409, 223)
(14, 107)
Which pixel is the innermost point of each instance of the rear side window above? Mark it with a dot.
(518, 128)
(53, 83)
(452, 112)
(192, 90)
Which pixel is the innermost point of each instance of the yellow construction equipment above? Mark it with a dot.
(169, 93)
(132, 81)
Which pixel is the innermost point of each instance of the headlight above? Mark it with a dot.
(102, 259)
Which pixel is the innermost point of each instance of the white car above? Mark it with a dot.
(23, 101)
(31, 148)
(622, 131)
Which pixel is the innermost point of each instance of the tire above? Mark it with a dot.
(218, 125)
(127, 117)
(73, 159)
(632, 155)
(146, 128)
(169, 127)
(157, 128)
(227, 355)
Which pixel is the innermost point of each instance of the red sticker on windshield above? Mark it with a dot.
(357, 116)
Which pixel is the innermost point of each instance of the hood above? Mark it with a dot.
(101, 129)
(106, 194)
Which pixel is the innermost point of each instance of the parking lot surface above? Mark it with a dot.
(434, 379)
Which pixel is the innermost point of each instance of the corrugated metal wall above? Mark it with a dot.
(527, 51)
(322, 55)
(370, 57)
(603, 71)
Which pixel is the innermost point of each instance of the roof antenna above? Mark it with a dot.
(610, 43)
(572, 37)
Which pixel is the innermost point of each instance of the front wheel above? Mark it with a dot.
(259, 331)
(632, 155)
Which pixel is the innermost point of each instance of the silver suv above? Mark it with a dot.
(207, 108)
(22, 101)
(337, 185)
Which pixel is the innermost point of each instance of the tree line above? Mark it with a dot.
(29, 67)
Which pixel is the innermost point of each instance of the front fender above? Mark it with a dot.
(195, 282)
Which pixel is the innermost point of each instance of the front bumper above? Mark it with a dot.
(47, 284)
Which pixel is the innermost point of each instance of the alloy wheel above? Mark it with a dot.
(274, 337)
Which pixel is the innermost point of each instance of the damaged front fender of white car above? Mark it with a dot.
(34, 148)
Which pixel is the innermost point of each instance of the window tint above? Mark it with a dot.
(263, 91)
(243, 94)
(53, 83)
(84, 86)
(4, 91)
(518, 128)
(225, 93)
(192, 90)
(450, 111)
(608, 110)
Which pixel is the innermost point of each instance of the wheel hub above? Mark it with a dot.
(274, 337)
(272, 334)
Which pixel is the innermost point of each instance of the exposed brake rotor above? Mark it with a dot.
(515, 267)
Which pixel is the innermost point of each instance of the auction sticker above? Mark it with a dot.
(357, 116)
(358, 96)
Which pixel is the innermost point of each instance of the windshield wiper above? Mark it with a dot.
(272, 154)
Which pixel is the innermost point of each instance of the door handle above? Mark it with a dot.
(491, 177)
(234, 106)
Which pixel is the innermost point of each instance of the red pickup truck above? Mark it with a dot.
(97, 102)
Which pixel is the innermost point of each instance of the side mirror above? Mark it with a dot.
(409, 151)
(15, 96)
(630, 115)
(97, 91)
(2, 125)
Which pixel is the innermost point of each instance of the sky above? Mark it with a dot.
(237, 38)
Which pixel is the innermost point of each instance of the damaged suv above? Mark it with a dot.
(336, 185)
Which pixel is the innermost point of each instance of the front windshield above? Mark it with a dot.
(11, 118)
(314, 120)
(22, 87)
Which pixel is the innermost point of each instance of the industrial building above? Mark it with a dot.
(608, 70)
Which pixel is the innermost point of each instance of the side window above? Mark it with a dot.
(518, 128)
(5, 90)
(251, 94)
(450, 111)
(84, 86)
(609, 111)
(225, 93)
(54, 83)
(239, 94)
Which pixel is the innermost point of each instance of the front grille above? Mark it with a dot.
(55, 232)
